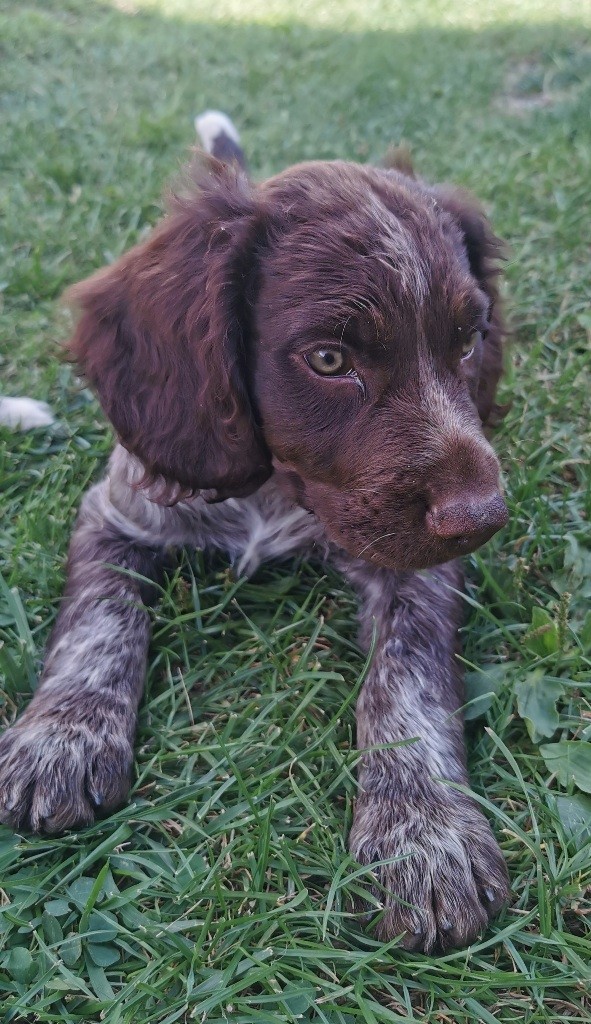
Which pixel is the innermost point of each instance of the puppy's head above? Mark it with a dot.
(337, 324)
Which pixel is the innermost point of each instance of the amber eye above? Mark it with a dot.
(469, 344)
(329, 362)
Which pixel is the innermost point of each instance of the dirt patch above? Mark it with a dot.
(545, 80)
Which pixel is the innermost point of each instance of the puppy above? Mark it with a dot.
(303, 365)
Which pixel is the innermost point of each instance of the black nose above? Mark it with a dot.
(468, 517)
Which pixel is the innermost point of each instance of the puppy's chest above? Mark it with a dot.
(265, 525)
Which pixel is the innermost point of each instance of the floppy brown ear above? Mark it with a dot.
(485, 253)
(162, 340)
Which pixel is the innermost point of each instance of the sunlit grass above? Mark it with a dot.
(342, 15)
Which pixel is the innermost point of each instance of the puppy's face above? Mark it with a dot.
(370, 331)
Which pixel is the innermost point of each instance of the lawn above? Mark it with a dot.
(221, 892)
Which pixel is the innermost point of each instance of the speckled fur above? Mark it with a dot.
(448, 876)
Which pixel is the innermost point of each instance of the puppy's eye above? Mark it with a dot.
(329, 362)
(469, 344)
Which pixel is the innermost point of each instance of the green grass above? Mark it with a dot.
(221, 892)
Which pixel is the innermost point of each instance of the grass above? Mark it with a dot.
(220, 893)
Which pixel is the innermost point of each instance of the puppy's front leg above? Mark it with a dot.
(69, 755)
(450, 877)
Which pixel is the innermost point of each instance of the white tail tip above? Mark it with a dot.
(212, 124)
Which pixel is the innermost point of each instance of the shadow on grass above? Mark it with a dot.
(99, 105)
(296, 91)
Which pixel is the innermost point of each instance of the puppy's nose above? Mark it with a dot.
(468, 517)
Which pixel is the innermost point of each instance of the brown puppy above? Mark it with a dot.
(300, 365)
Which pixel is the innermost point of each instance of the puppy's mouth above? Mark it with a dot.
(402, 535)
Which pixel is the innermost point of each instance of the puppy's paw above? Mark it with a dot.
(450, 878)
(58, 774)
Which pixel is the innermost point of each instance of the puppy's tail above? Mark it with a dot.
(220, 137)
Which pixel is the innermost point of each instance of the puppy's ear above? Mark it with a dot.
(485, 253)
(162, 339)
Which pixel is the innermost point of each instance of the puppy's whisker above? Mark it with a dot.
(376, 540)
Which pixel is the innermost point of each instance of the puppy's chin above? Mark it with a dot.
(399, 553)
(418, 555)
